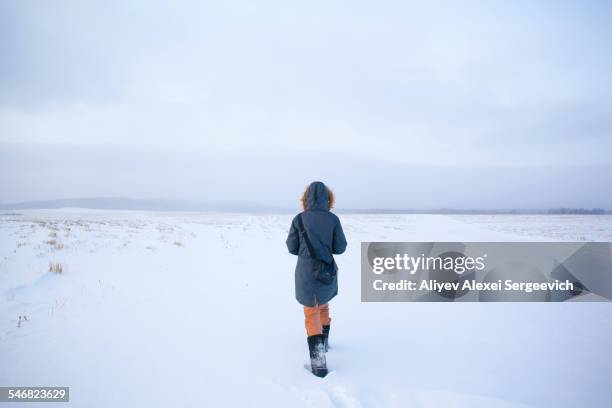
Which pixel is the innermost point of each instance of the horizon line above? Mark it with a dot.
(181, 205)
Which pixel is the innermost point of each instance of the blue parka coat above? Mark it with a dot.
(327, 238)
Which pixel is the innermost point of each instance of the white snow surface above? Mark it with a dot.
(198, 310)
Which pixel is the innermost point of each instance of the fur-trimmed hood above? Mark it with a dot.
(318, 197)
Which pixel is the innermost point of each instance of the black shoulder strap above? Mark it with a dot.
(305, 235)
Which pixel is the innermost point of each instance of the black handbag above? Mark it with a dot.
(324, 271)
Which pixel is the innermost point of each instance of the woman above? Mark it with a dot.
(315, 235)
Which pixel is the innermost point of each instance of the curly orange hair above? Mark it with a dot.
(304, 199)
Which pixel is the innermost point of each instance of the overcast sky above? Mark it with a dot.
(491, 104)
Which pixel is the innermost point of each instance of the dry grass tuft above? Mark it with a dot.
(56, 267)
(55, 243)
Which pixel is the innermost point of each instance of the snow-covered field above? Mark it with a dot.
(198, 310)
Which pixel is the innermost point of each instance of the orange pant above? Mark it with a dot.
(316, 317)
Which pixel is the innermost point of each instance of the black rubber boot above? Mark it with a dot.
(318, 363)
(326, 334)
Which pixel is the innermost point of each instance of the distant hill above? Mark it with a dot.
(119, 203)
